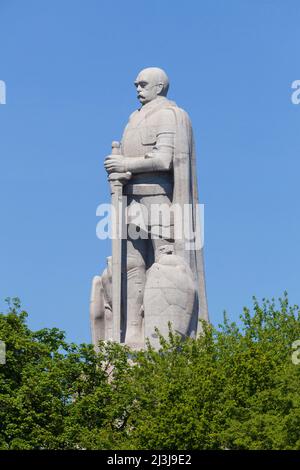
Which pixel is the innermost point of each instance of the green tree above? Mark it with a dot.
(42, 379)
(235, 387)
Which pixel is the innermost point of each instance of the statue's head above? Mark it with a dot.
(151, 83)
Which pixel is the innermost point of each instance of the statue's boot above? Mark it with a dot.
(136, 277)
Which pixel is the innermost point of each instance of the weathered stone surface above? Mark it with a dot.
(169, 296)
(101, 305)
(97, 310)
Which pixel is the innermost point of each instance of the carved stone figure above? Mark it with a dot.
(157, 276)
(101, 306)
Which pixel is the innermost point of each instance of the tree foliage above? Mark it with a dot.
(235, 387)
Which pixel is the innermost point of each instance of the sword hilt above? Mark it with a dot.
(122, 178)
(115, 148)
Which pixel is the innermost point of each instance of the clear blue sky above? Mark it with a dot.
(69, 67)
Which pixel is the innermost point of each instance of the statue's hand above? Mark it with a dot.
(115, 163)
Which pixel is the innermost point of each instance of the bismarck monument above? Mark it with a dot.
(156, 272)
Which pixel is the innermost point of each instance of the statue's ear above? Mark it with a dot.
(160, 88)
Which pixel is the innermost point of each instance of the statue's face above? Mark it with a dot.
(148, 87)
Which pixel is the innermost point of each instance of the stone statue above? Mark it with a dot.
(157, 271)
